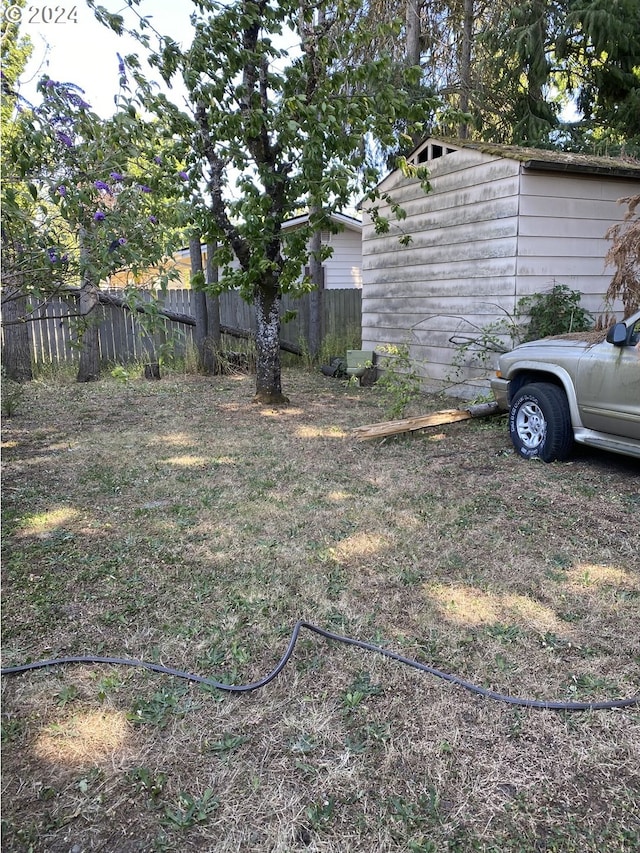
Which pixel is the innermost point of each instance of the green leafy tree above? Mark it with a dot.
(597, 49)
(274, 132)
(510, 69)
(16, 353)
(517, 107)
(546, 54)
(434, 39)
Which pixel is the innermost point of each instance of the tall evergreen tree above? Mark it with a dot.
(517, 69)
(597, 50)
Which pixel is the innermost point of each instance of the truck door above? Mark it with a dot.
(608, 388)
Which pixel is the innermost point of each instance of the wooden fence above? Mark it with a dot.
(123, 340)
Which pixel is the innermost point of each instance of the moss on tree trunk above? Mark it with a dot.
(268, 380)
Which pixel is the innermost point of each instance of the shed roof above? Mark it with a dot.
(547, 160)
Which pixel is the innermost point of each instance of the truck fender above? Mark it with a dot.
(531, 372)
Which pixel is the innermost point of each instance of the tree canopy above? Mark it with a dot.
(270, 132)
(83, 198)
(544, 73)
(290, 108)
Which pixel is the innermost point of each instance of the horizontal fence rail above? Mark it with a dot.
(122, 338)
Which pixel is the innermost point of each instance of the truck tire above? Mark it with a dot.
(540, 422)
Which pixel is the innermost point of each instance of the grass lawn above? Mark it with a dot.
(179, 523)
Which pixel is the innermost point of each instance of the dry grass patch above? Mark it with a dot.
(179, 523)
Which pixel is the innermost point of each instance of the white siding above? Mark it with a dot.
(487, 234)
(563, 222)
(459, 268)
(344, 268)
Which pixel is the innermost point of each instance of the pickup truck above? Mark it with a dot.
(582, 387)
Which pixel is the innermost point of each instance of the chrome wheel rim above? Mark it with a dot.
(531, 425)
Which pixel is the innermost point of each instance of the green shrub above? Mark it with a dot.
(555, 312)
(333, 345)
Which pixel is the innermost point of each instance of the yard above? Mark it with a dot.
(179, 523)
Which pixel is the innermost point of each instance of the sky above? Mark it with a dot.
(82, 51)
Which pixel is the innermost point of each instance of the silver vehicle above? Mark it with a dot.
(580, 387)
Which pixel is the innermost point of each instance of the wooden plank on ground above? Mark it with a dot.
(446, 416)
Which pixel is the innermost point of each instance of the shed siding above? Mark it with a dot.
(563, 222)
(489, 232)
(459, 267)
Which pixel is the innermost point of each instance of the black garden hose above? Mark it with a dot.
(329, 635)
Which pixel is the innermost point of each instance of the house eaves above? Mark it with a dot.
(583, 169)
(339, 218)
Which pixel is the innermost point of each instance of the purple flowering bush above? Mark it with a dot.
(121, 208)
(89, 202)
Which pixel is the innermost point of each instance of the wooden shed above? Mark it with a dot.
(499, 223)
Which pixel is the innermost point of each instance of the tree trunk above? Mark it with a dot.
(307, 38)
(89, 367)
(207, 309)
(16, 349)
(199, 299)
(412, 44)
(412, 22)
(213, 342)
(315, 297)
(213, 302)
(465, 64)
(268, 379)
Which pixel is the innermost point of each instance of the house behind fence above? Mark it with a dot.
(123, 339)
